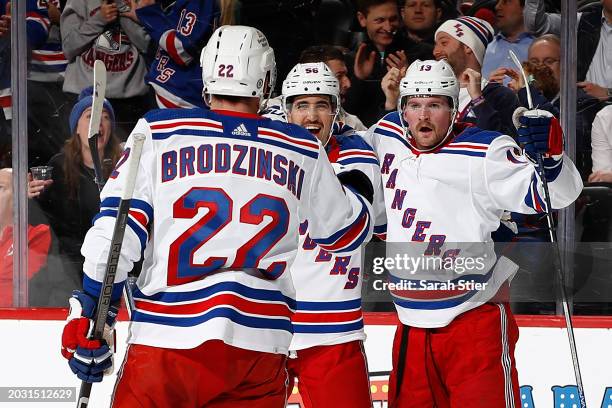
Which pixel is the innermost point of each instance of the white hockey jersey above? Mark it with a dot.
(446, 204)
(218, 201)
(328, 286)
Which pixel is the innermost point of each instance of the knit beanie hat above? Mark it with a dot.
(85, 100)
(471, 31)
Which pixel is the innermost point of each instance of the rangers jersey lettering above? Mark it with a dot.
(446, 204)
(216, 215)
(121, 45)
(328, 286)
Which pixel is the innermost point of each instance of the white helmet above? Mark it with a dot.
(430, 78)
(311, 79)
(237, 61)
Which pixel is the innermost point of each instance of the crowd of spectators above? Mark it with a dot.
(151, 51)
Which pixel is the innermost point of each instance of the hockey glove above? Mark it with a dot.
(88, 359)
(359, 182)
(540, 133)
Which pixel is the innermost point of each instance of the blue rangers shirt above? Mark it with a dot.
(181, 31)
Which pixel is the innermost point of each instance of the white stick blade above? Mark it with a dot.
(99, 91)
(518, 64)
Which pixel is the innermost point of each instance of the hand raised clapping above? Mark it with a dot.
(364, 62)
(397, 60)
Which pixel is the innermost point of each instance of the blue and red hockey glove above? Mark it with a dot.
(89, 359)
(540, 133)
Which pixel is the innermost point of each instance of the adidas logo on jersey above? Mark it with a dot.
(241, 130)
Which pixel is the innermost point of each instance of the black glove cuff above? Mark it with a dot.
(359, 182)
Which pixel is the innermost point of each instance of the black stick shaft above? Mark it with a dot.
(561, 278)
(95, 157)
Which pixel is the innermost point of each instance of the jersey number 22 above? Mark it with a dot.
(182, 269)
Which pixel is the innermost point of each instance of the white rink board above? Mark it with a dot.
(30, 356)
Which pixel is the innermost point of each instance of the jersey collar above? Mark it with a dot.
(458, 128)
(237, 114)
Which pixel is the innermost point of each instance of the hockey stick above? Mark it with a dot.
(553, 240)
(104, 301)
(99, 90)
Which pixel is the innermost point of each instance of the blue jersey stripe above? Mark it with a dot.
(463, 152)
(48, 68)
(528, 197)
(477, 135)
(191, 132)
(443, 303)
(219, 134)
(93, 288)
(134, 226)
(339, 234)
(320, 306)
(328, 328)
(246, 291)
(433, 304)
(358, 161)
(379, 229)
(222, 312)
(393, 135)
(294, 148)
(360, 240)
(113, 202)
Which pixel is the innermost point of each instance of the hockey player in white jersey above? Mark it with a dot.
(333, 57)
(445, 190)
(219, 198)
(327, 355)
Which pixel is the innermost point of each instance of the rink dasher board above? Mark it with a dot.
(30, 347)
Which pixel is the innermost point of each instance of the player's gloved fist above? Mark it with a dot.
(540, 133)
(89, 359)
(357, 180)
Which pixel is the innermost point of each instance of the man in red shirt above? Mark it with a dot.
(39, 241)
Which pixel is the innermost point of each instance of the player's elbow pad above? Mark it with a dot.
(359, 182)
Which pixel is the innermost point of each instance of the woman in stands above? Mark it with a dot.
(71, 199)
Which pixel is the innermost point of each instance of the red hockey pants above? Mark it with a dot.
(469, 363)
(212, 375)
(334, 376)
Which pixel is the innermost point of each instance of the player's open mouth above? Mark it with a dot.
(425, 129)
(314, 129)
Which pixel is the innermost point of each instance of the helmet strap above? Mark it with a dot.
(207, 97)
